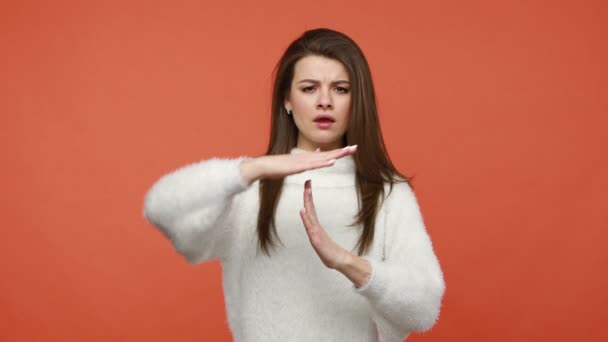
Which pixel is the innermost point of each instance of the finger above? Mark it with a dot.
(330, 157)
(314, 160)
(339, 153)
(312, 230)
(305, 219)
(311, 227)
(319, 159)
(308, 202)
(322, 159)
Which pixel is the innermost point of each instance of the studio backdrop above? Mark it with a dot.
(498, 109)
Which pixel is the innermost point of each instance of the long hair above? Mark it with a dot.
(373, 166)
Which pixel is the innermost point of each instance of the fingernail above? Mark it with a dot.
(354, 147)
(331, 161)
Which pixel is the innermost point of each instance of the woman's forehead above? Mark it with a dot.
(320, 69)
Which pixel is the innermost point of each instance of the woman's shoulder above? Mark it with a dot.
(399, 196)
(398, 185)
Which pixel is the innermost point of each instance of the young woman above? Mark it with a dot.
(353, 262)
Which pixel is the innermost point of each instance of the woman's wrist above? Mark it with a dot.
(355, 268)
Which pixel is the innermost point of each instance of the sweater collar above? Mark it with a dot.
(341, 173)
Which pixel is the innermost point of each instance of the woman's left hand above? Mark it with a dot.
(331, 254)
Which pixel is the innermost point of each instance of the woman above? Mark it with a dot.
(353, 264)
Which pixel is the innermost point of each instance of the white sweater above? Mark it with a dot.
(209, 212)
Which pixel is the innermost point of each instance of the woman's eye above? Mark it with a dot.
(339, 89)
(342, 90)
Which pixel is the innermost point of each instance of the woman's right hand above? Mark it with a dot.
(281, 165)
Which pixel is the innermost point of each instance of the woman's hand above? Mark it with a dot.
(281, 165)
(331, 254)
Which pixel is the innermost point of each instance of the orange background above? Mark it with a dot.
(498, 108)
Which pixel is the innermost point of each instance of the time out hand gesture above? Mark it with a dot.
(281, 165)
(331, 254)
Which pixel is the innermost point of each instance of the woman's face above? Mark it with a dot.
(320, 101)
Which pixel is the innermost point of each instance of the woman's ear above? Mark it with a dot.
(287, 104)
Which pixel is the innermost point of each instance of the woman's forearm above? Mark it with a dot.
(250, 170)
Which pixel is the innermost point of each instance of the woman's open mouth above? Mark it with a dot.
(324, 121)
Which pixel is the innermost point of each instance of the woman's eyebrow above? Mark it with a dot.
(317, 82)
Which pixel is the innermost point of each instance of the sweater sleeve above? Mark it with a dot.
(405, 290)
(192, 207)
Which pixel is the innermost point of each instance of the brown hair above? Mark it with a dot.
(373, 166)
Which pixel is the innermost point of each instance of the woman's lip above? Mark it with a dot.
(325, 117)
(326, 124)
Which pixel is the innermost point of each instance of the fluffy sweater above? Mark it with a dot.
(208, 211)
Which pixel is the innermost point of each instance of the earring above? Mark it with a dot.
(289, 112)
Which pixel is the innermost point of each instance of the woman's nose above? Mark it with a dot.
(324, 100)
